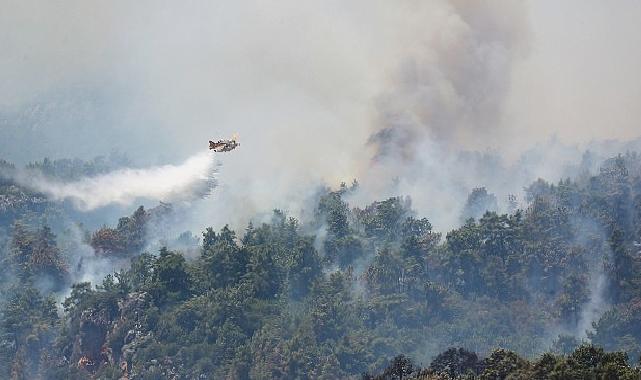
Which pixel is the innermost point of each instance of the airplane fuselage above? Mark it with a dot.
(223, 145)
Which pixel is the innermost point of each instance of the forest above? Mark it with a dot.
(550, 287)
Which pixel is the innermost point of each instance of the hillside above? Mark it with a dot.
(338, 295)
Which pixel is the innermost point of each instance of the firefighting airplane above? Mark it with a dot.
(224, 145)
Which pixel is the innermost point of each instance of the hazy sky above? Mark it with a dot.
(580, 79)
(176, 73)
(307, 84)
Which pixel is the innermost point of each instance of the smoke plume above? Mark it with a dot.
(307, 85)
(428, 99)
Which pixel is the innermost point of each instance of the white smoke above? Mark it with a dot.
(307, 84)
(191, 180)
(595, 307)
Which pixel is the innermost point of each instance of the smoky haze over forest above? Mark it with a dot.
(411, 176)
(384, 93)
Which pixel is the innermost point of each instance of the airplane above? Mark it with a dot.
(224, 145)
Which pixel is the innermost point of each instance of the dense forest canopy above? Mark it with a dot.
(549, 289)
(417, 189)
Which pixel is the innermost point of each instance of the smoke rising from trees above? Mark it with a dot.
(441, 101)
(420, 81)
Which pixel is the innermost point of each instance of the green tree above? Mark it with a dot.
(171, 280)
(28, 326)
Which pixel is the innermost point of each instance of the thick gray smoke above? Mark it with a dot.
(307, 85)
(422, 98)
(451, 87)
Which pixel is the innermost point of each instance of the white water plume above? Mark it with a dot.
(193, 179)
